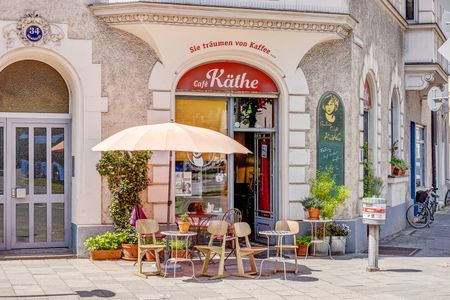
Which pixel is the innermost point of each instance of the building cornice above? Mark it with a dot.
(433, 26)
(186, 15)
(419, 76)
(395, 13)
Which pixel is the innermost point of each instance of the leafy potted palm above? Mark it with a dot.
(178, 249)
(302, 243)
(313, 206)
(338, 236)
(106, 245)
(327, 192)
(183, 223)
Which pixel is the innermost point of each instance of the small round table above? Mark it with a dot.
(279, 234)
(176, 236)
(314, 239)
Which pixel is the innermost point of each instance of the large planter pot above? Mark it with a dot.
(301, 250)
(130, 251)
(397, 171)
(183, 227)
(150, 255)
(314, 213)
(106, 254)
(338, 245)
(180, 254)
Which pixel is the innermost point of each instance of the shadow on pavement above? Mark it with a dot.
(403, 270)
(81, 294)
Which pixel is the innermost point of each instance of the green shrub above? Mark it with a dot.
(178, 244)
(109, 240)
(303, 240)
(325, 189)
(311, 202)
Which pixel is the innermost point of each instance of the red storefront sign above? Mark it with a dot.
(226, 77)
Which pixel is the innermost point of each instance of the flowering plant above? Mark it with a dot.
(335, 229)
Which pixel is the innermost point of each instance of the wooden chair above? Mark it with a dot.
(292, 226)
(216, 229)
(147, 228)
(242, 230)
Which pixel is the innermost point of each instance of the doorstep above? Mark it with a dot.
(44, 253)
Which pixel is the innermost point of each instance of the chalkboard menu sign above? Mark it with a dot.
(331, 135)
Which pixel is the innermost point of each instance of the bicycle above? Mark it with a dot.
(447, 195)
(421, 213)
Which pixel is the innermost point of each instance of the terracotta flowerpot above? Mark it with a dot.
(314, 213)
(180, 254)
(130, 251)
(150, 255)
(301, 250)
(183, 227)
(106, 254)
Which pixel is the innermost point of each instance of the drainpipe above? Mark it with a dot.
(433, 148)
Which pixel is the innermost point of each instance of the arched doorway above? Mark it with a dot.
(34, 156)
(240, 101)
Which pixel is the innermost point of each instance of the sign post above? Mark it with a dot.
(374, 215)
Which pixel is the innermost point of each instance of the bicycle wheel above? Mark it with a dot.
(418, 215)
(447, 198)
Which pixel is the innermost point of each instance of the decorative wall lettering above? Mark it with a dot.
(331, 135)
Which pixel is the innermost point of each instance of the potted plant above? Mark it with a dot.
(105, 245)
(398, 165)
(178, 249)
(183, 223)
(150, 255)
(129, 245)
(302, 243)
(338, 236)
(325, 189)
(313, 206)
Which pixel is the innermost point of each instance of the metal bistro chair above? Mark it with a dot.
(231, 216)
(148, 228)
(293, 227)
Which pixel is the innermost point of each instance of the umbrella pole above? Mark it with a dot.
(169, 200)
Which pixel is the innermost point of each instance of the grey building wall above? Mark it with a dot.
(126, 62)
(338, 66)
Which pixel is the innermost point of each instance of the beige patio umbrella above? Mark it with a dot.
(171, 137)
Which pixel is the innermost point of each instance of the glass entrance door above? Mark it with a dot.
(36, 178)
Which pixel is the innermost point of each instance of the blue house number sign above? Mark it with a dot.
(34, 33)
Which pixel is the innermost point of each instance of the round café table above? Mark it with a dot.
(175, 236)
(279, 234)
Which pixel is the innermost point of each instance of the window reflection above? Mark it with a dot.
(201, 178)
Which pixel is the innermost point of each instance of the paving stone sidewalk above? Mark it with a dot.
(424, 276)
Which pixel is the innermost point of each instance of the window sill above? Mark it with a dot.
(397, 179)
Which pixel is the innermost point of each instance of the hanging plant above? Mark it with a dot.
(126, 173)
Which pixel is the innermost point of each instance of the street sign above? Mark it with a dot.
(434, 98)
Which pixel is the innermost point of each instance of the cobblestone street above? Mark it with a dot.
(425, 275)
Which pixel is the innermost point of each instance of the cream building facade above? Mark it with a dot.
(116, 64)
